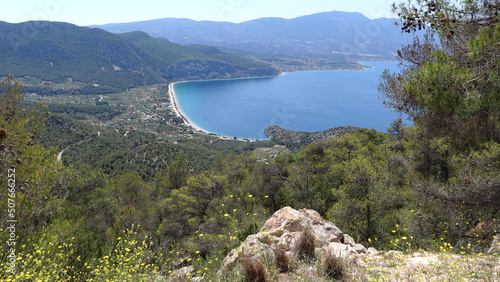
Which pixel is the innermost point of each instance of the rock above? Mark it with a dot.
(468, 246)
(251, 248)
(394, 253)
(360, 249)
(495, 245)
(476, 249)
(349, 240)
(284, 229)
(338, 249)
(423, 260)
(373, 251)
(181, 273)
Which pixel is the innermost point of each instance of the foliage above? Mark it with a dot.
(449, 89)
(281, 260)
(296, 139)
(26, 168)
(430, 185)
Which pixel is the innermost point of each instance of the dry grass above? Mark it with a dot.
(255, 271)
(392, 266)
(281, 259)
(396, 266)
(306, 245)
(334, 267)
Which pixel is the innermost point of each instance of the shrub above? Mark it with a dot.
(306, 245)
(333, 266)
(281, 259)
(255, 271)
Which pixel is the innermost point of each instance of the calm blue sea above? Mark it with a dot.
(302, 101)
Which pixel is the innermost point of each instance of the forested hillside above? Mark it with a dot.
(106, 62)
(147, 210)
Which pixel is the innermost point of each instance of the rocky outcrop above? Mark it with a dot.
(283, 231)
(181, 273)
(495, 245)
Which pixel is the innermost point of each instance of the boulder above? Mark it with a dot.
(284, 229)
(349, 240)
(373, 251)
(360, 249)
(182, 273)
(466, 245)
(495, 245)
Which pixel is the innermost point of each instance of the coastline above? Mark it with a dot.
(198, 129)
(179, 113)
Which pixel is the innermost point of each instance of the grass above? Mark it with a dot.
(334, 267)
(427, 267)
(306, 246)
(255, 271)
(131, 260)
(282, 261)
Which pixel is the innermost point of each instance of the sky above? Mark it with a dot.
(93, 12)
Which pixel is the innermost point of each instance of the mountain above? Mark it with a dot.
(323, 34)
(57, 51)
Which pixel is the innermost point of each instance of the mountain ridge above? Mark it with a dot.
(320, 34)
(57, 51)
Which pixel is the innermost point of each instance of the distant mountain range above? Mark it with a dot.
(57, 51)
(319, 35)
(180, 49)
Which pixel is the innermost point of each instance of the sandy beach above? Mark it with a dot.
(178, 112)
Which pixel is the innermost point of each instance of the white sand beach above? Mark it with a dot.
(178, 111)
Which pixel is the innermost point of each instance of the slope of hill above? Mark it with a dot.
(58, 51)
(322, 34)
(296, 139)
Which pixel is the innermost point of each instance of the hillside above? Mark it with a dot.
(60, 52)
(329, 34)
(297, 139)
(113, 186)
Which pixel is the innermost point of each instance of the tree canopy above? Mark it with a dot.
(450, 79)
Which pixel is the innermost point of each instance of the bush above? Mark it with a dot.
(281, 259)
(255, 271)
(306, 245)
(333, 266)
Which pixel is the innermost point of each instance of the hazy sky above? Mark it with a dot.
(88, 12)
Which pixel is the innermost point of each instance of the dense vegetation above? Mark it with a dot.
(297, 139)
(125, 216)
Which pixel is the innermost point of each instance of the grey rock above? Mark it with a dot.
(495, 245)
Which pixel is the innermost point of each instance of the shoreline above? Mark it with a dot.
(178, 111)
(197, 129)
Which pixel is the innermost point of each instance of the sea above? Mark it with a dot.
(300, 101)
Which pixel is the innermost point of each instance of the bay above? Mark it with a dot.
(301, 101)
